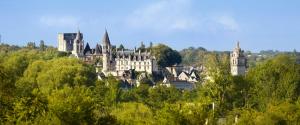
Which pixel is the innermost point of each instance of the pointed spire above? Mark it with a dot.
(105, 39)
(87, 48)
(97, 49)
(78, 35)
(238, 44)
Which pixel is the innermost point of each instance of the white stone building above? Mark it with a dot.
(114, 62)
(122, 61)
(238, 61)
(65, 41)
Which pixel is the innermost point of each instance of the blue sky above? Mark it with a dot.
(212, 24)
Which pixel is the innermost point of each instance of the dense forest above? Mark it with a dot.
(39, 85)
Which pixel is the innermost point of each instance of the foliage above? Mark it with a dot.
(162, 94)
(274, 80)
(72, 105)
(183, 113)
(193, 56)
(137, 113)
(165, 56)
(43, 86)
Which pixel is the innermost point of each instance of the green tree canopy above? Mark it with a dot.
(275, 79)
(165, 55)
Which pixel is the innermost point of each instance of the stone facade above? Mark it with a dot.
(140, 61)
(118, 62)
(238, 61)
(114, 62)
(78, 44)
(65, 41)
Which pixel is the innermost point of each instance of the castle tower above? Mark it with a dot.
(238, 61)
(78, 45)
(106, 52)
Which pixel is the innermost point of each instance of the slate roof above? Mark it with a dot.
(105, 39)
(87, 49)
(98, 49)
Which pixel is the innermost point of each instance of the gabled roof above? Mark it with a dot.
(184, 73)
(195, 74)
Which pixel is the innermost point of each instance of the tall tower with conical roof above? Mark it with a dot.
(238, 61)
(78, 45)
(106, 52)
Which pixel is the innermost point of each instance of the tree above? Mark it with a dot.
(27, 108)
(40, 87)
(19, 99)
(276, 113)
(133, 113)
(182, 113)
(42, 45)
(7, 93)
(31, 45)
(165, 56)
(137, 94)
(162, 94)
(193, 56)
(220, 86)
(112, 96)
(72, 105)
(274, 80)
(64, 71)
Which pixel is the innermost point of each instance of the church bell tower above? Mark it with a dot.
(238, 61)
(106, 52)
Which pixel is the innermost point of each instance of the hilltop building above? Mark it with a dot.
(238, 61)
(119, 61)
(123, 63)
(114, 62)
(65, 41)
(74, 43)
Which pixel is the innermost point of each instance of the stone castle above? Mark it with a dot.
(114, 62)
(117, 62)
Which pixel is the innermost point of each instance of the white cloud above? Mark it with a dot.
(163, 15)
(228, 22)
(59, 21)
(176, 15)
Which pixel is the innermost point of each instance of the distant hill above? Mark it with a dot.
(195, 56)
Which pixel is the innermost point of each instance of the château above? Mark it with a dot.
(114, 62)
